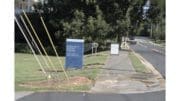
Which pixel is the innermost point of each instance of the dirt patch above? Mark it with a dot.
(55, 83)
(78, 80)
(151, 80)
(51, 70)
(94, 65)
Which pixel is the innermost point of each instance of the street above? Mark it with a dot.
(152, 53)
(62, 96)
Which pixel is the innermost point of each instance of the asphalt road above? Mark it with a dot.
(153, 53)
(59, 96)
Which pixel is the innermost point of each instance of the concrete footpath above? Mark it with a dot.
(119, 76)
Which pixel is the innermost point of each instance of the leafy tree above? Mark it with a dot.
(135, 15)
(75, 27)
(156, 16)
(98, 20)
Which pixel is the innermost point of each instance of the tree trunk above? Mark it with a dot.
(151, 33)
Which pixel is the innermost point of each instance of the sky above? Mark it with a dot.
(146, 8)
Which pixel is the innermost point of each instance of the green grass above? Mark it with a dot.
(138, 66)
(26, 69)
(162, 43)
(159, 41)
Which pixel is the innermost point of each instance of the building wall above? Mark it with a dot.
(24, 5)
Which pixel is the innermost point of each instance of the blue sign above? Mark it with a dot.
(74, 53)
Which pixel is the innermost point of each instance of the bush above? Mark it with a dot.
(60, 50)
(22, 48)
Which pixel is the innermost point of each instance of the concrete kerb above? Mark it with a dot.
(148, 65)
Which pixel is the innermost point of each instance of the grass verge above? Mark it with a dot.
(27, 70)
(138, 66)
(161, 43)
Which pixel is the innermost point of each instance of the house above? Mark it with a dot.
(26, 5)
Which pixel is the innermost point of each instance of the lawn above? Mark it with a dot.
(28, 70)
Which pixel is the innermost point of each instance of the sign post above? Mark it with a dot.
(74, 53)
(94, 45)
(114, 49)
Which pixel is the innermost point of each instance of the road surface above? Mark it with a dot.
(60, 96)
(153, 53)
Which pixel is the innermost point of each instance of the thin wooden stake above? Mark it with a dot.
(31, 47)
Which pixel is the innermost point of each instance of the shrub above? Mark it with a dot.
(22, 48)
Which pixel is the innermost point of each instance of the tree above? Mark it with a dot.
(135, 16)
(98, 20)
(156, 16)
(75, 27)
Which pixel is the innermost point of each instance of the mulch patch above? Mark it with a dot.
(51, 70)
(55, 83)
